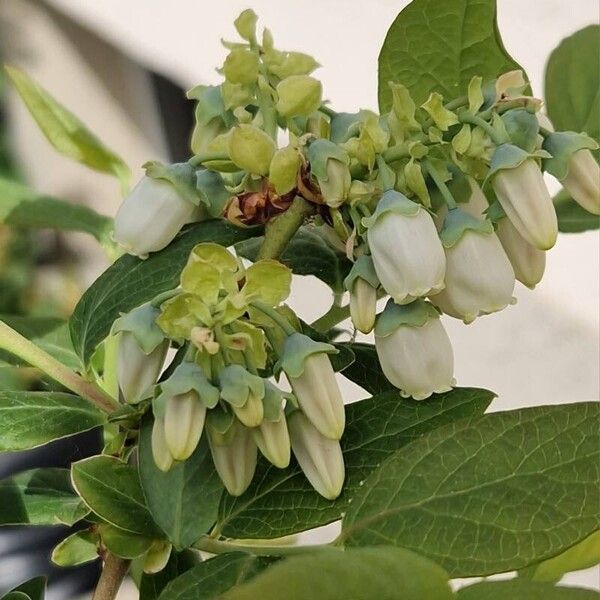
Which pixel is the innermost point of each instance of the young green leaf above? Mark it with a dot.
(280, 502)
(77, 549)
(151, 586)
(33, 589)
(439, 46)
(382, 573)
(503, 490)
(112, 490)
(64, 130)
(40, 497)
(520, 589)
(30, 419)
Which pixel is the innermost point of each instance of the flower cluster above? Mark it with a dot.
(440, 206)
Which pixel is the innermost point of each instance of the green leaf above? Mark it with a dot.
(112, 490)
(521, 589)
(20, 206)
(437, 46)
(131, 281)
(584, 555)
(49, 333)
(16, 596)
(572, 218)
(30, 419)
(40, 497)
(572, 83)
(365, 371)
(77, 549)
(502, 491)
(184, 501)
(382, 573)
(64, 130)
(123, 543)
(307, 254)
(33, 589)
(282, 502)
(151, 586)
(215, 576)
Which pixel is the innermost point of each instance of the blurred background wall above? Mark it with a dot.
(122, 66)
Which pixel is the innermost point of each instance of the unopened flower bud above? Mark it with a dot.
(160, 451)
(479, 277)
(151, 216)
(244, 392)
(241, 66)
(362, 283)
(157, 557)
(283, 172)
(273, 440)
(299, 96)
(234, 454)
(319, 457)
(524, 197)
(251, 149)
(414, 350)
(184, 422)
(309, 371)
(329, 166)
(405, 247)
(583, 181)
(527, 262)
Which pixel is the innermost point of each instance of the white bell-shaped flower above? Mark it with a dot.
(414, 350)
(527, 262)
(273, 440)
(319, 457)
(184, 422)
(405, 247)
(583, 181)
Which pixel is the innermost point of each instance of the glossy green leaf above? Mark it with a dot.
(572, 218)
(365, 370)
(179, 563)
(307, 254)
(30, 419)
(213, 577)
(131, 281)
(501, 491)
(184, 501)
(64, 130)
(281, 502)
(112, 490)
(20, 206)
(521, 589)
(40, 497)
(77, 549)
(382, 573)
(33, 589)
(437, 46)
(123, 543)
(584, 555)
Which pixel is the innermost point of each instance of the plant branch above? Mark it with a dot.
(465, 117)
(274, 315)
(15, 343)
(111, 578)
(208, 544)
(331, 318)
(280, 230)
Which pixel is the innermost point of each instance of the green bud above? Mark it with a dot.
(402, 116)
(299, 96)
(273, 440)
(244, 392)
(160, 451)
(246, 25)
(157, 557)
(241, 66)
(329, 165)
(283, 172)
(441, 116)
(287, 64)
(251, 149)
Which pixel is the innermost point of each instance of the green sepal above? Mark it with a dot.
(241, 66)
(363, 268)
(296, 349)
(220, 423)
(343, 126)
(495, 212)
(182, 176)
(506, 156)
(273, 402)
(522, 128)
(319, 152)
(212, 191)
(237, 384)
(246, 25)
(210, 102)
(415, 314)
(562, 145)
(141, 322)
(458, 222)
(179, 315)
(187, 377)
(392, 202)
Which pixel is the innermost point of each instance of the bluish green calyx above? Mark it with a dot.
(220, 424)
(344, 126)
(187, 377)
(522, 128)
(237, 384)
(562, 145)
(210, 102)
(495, 212)
(273, 402)
(141, 322)
(458, 222)
(506, 156)
(296, 349)
(392, 202)
(182, 176)
(212, 191)
(319, 152)
(363, 268)
(415, 314)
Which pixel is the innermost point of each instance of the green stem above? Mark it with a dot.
(213, 546)
(111, 578)
(280, 230)
(465, 117)
(440, 184)
(274, 315)
(396, 152)
(198, 159)
(110, 383)
(331, 318)
(15, 343)
(327, 111)
(160, 298)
